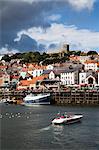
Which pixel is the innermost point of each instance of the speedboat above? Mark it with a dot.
(67, 118)
(39, 99)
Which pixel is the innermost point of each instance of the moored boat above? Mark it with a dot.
(67, 118)
(39, 99)
(3, 101)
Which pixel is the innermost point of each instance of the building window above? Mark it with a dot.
(5, 81)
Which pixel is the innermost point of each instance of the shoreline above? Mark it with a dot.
(82, 98)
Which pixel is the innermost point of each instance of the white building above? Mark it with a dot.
(55, 74)
(52, 75)
(90, 65)
(88, 78)
(36, 72)
(67, 77)
(50, 67)
(82, 77)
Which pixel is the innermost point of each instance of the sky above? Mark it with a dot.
(45, 25)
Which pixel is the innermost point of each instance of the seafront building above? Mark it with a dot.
(89, 77)
(66, 76)
(91, 65)
(79, 70)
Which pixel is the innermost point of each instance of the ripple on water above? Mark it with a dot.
(1, 116)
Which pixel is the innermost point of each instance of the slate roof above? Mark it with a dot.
(59, 71)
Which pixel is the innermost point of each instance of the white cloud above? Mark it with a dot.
(54, 17)
(76, 4)
(5, 50)
(81, 4)
(59, 33)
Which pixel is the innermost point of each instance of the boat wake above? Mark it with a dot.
(45, 128)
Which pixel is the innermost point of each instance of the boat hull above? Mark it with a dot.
(70, 120)
(37, 100)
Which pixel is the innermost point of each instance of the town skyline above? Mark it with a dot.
(46, 25)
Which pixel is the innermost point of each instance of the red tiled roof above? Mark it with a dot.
(1, 81)
(15, 77)
(33, 81)
(3, 67)
(90, 61)
(35, 66)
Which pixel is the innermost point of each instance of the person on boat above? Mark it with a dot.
(58, 115)
(63, 116)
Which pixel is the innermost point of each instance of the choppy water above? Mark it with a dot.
(29, 128)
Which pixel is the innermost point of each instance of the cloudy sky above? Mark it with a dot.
(44, 25)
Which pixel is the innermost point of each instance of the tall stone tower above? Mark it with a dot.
(64, 50)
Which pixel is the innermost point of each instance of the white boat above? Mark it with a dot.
(6, 100)
(3, 101)
(39, 99)
(67, 119)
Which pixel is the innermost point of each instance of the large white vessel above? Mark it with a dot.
(39, 99)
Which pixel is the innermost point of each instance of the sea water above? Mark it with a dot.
(30, 128)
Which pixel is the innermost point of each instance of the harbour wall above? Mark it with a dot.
(76, 98)
(61, 98)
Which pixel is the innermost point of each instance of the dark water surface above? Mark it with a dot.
(29, 128)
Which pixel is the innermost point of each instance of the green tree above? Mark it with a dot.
(83, 54)
(55, 55)
(37, 57)
(92, 53)
(44, 56)
(6, 58)
(17, 56)
(77, 53)
(32, 57)
(28, 57)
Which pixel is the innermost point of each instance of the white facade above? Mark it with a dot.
(49, 67)
(36, 72)
(71, 78)
(67, 78)
(93, 79)
(90, 66)
(51, 75)
(82, 77)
